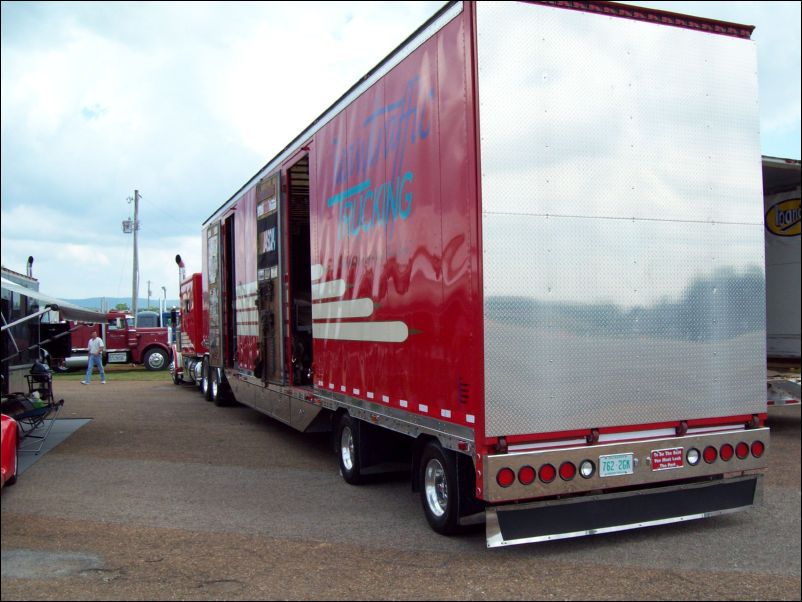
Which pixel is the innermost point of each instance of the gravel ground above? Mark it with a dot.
(164, 496)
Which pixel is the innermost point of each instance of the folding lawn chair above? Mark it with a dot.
(35, 418)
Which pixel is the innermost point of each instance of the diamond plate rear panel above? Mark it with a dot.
(621, 222)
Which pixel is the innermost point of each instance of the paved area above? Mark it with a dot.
(165, 496)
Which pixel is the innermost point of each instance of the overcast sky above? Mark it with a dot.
(187, 101)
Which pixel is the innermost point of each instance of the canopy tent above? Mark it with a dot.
(69, 311)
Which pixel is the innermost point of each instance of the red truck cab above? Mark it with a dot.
(191, 345)
(125, 343)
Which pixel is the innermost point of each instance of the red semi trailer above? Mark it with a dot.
(514, 253)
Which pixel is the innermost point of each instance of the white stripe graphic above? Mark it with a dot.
(317, 272)
(246, 289)
(358, 308)
(326, 290)
(379, 332)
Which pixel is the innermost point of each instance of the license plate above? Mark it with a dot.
(615, 464)
(117, 358)
(665, 459)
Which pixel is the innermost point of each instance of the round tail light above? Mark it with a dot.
(742, 450)
(758, 448)
(587, 468)
(567, 471)
(505, 477)
(526, 475)
(727, 452)
(693, 456)
(710, 454)
(547, 473)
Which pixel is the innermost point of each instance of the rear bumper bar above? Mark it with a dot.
(644, 473)
(589, 515)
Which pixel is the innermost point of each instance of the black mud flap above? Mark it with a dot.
(560, 519)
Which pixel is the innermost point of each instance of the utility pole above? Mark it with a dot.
(164, 307)
(135, 292)
(128, 228)
(149, 294)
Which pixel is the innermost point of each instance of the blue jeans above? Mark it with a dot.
(94, 360)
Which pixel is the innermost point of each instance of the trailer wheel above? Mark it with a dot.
(439, 490)
(197, 374)
(155, 359)
(206, 385)
(214, 385)
(347, 442)
(218, 393)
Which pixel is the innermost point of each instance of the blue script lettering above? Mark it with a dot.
(362, 207)
(386, 132)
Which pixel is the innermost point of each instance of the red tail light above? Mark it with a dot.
(742, 450)
(758, 448)
(567, 471)
(727, 452)
(710, 454)
(505, 477)
(526, 475)
(547, 473)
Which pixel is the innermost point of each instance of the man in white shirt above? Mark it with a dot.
(95, 349)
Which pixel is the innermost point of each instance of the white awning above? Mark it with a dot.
(69, 311)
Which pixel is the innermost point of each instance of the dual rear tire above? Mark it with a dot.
(210, 383)
(439, 488)
(346, 438)
(436, 475)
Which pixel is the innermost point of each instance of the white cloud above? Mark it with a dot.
(186, 105)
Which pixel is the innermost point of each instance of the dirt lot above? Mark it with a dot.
(164, 496)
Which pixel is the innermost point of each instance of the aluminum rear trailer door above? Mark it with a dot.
(621, 223)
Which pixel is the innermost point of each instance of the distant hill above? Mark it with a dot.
(112, 302)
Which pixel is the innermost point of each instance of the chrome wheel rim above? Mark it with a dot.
(156, 361)
(347, 448)
(436, 488)
(215, 385)
(204, 380)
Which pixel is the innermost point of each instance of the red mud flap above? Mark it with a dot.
(560, 519)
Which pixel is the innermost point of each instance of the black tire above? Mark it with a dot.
(213, 387)
(439, 488)
(346, 440)
(155, 359)
(174, 374)
(205, 387)
(217, 388)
